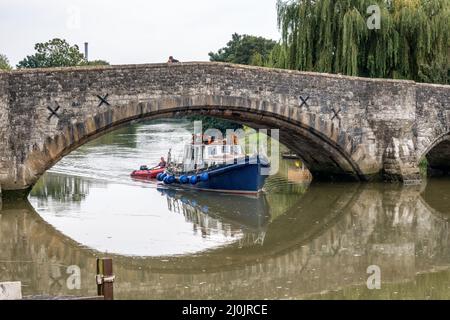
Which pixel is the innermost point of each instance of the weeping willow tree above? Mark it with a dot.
(413, 41)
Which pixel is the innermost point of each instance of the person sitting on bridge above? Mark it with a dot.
(162, 163)
(172, 60)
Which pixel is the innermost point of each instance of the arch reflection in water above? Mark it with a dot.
(130, 220)
(322, 243)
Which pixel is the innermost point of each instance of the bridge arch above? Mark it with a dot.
(324, 147)
(438, 156)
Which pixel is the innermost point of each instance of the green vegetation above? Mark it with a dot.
(4, 63)
(423, 166)
(56, 53)
(53, 53)
(245, 49)
(413, 41)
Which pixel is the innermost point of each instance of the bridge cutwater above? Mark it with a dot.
(342, 127)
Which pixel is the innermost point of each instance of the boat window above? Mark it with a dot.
(212, 151)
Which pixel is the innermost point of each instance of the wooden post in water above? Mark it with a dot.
(105, 278)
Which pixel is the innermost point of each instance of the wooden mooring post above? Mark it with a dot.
(105, 278)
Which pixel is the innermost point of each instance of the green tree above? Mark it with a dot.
(53, 53)
(332, 36)
(4, 63)
(257, 59)
(277, 57)
(244, 49)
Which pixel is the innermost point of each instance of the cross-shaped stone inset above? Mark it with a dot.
(304, 102)
(53, 112)
(103, 100)
(336, 115)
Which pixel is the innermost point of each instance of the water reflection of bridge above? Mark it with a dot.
(325, 241)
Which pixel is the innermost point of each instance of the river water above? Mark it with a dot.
(295, 241)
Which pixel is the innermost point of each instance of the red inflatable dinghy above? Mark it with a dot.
(147, 173)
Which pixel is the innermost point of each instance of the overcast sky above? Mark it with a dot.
(133, 31)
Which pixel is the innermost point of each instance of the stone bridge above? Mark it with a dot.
(343, 127)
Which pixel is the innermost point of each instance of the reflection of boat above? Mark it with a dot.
(146, 173)
(217, 166)
(251, 212)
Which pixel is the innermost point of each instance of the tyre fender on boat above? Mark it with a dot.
(184, 179)
(170, 179)
(193, 179)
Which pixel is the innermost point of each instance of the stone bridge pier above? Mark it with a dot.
(342, 127)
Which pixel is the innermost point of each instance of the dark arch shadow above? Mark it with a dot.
(438, 156)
